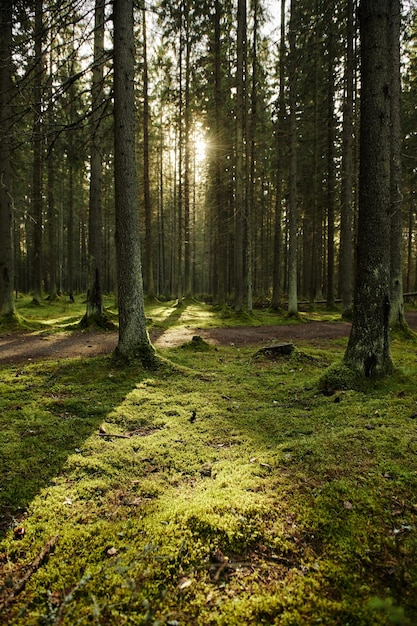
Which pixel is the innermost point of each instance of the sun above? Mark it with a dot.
(200, 145)
(200, 148)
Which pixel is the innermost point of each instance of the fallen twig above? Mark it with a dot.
(32, 568)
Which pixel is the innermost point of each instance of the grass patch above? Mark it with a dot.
(222, 490)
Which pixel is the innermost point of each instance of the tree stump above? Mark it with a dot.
(276, 351)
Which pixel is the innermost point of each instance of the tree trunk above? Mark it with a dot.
(52, 286)
(410, 243)
(7, 307)
(37, 155)
(70, 224)
(276, 280)
(71, 156)
(149, 274)
(397, 318)
(180, 189)
(250, 255)
(368, 351)
(95, 312)
(346, 218)
(162, 273)
(133, 336)
(187, 157)
(220, 233)
(240, 194)
(331, 169)
(292, 200)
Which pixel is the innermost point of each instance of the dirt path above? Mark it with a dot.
(19, 348)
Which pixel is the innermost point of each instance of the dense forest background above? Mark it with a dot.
(247, 147)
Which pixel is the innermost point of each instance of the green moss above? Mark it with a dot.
(219, 490)
(197, 344)
(339, 377)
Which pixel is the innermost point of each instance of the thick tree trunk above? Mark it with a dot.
(368, 351)
(133, 336)
(7, 307)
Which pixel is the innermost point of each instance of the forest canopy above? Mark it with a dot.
(247, 144)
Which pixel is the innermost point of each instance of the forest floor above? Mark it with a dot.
(21, 347)
(227, 487)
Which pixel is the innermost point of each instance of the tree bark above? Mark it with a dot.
(133, 336)
(37, 155)
(292, 200)
(187, 156)
(220, 216)
(240, 194)
(346, 218)
(52, 286)
(250, 255)
(95, 312)
(397, 318)
(276, 279)
(368, 351)
(149, 274)
(331, 168)
(7, 307)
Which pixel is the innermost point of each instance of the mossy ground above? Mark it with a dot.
(222, 490)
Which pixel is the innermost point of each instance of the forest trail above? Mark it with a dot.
(24, 347)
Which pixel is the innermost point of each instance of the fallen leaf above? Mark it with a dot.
(265, 465)
(184, 583)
